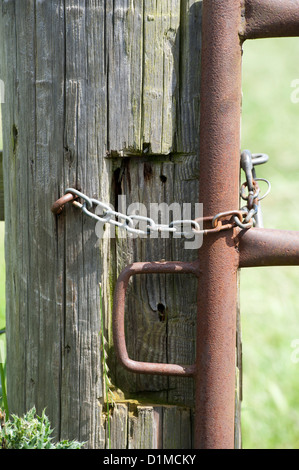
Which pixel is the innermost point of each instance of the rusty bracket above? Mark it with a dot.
(58, 205)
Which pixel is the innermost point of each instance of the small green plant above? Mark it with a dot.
(31, 432)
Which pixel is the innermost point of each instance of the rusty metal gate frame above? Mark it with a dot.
(226, 24)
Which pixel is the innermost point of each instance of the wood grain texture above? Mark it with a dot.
(135, 426)
(102, 96)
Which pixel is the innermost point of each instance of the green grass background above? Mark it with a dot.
(269, 296)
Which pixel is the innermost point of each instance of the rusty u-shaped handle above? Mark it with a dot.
(119, 317)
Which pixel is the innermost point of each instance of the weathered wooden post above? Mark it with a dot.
(1, 189)
(102, 96)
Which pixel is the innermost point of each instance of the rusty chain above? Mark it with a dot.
(246, 217)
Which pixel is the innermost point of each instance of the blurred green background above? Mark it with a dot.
(269, 296)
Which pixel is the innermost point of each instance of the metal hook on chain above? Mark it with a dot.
(248, 163)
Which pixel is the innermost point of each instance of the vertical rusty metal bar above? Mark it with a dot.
(219, 190)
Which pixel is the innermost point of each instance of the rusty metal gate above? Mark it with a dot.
(225, 26)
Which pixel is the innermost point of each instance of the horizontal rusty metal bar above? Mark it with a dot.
(270, 18)
(267, 247)
(119, 317)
